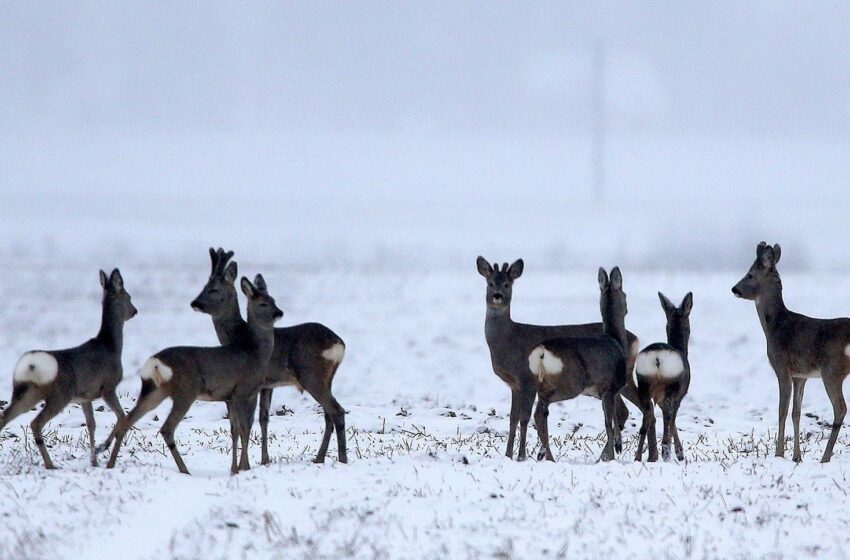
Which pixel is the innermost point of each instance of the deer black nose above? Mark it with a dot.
(197, 306)
(736, 291)
(498, 297)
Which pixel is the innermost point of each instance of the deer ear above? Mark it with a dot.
(688, 303)
(768, 257)
(515, 270)
(777, 251)
(603, 278)
(759, 248)
(247, 288)
(616, 278)
(103, 279)
(666, 304)
(260, 283)
(484, 268)
(116, 280)
(231, 272)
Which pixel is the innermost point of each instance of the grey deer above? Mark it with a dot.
(233, 373)
(510, 343)
(79, 374)
(305, 356)
(663, 376)
(595, 366)
(798, 347)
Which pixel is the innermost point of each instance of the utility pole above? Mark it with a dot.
(598, 100)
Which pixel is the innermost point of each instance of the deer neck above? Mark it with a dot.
(229, 326)
(111, 330)
(770, 305)
(261, 339)
(614, 325)
(497, 322)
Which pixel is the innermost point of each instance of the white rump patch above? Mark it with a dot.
(39, 368)
(157, 371)
(542, 362)
(666, 364)
(847, 350)
(335, 353)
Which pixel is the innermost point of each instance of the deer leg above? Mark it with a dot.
(246, 422)
(526, 405)
(88, 412)
(630, 393)
(148, 400)
(680, 451)
(334, 418)
(265, 406)
(784, 401)
(665, 436)
(24, 397)
(541, 422)
(608, 413)
(796, 411)
(179, 409)
(111, 400)
(512, 426)
(338, 416)
(52, 406)
(832, 381)
(326, 439)
(234, 438)
(622, 412)
(648, 417)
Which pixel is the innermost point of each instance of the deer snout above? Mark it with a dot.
(278, 314)
(198, 306)
(736, 291)
(498, 298)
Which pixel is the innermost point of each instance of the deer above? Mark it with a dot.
(798, 348)
(233, 373)
(81, 374)
(305, 356)
(595, 366)
(510, 343)
(663, 375)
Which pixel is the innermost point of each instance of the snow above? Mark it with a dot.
(427, 422)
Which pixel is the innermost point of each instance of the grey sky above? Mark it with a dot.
(371, 128)
(755, 68)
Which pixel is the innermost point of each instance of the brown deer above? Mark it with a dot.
(585, 365)
(510, 343)
(305, 356)
(81, 374)
(798, 347)
(663, 376)
(233, 374)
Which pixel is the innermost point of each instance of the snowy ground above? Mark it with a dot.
(426, 432)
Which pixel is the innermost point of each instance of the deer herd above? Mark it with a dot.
(545, 364)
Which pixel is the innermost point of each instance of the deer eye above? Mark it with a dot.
(491, 284)
(749, 276)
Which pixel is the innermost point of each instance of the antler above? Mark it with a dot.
(221, 261)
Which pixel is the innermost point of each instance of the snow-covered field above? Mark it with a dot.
(427, 422)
